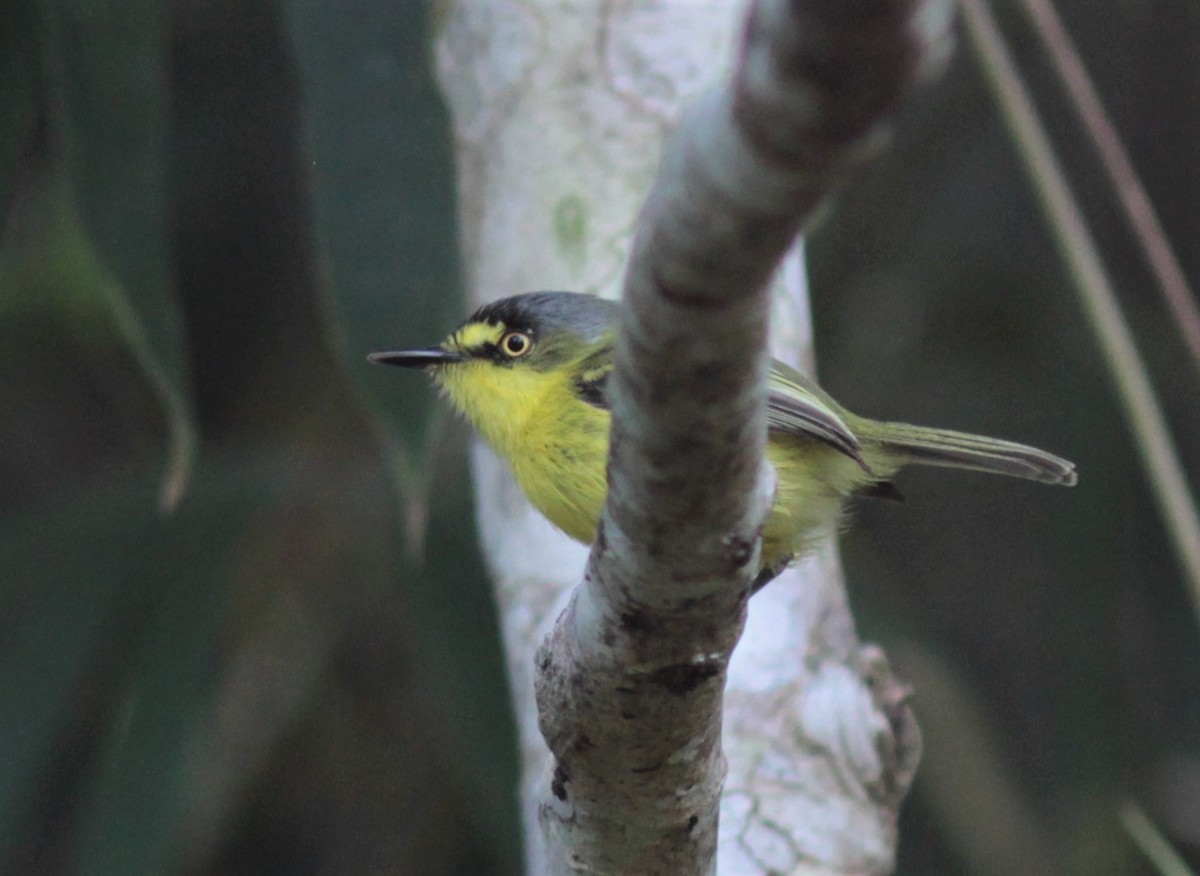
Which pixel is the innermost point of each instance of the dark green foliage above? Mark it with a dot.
(239, 666)
(381, 172)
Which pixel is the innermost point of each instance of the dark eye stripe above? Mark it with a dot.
(493, 354)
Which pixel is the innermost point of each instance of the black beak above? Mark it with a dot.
(417, 358)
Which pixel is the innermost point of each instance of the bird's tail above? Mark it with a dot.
(924, 446)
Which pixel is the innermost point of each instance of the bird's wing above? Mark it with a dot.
(591, 378)
(797, 406)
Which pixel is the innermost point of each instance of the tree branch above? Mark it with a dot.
(630, 682)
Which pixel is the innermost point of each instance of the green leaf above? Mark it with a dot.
(384, 200)
(142, 789)
(71, 600)
(107, 669)
(107, 104)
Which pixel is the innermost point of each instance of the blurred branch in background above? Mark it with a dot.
(1144, 415)
(1085, 655)
(981, 808)
(1151, 841)
(1139, 211)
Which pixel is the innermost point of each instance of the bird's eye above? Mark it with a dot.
(516, 344)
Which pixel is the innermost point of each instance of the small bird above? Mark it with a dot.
(531, 373)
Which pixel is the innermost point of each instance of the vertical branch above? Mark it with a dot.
(630, 681)
(559, 117)
(560, 112)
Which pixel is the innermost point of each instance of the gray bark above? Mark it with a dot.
(630, 681)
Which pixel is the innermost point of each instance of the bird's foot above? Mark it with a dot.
(769, 573)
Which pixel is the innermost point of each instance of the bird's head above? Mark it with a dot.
(499, 365)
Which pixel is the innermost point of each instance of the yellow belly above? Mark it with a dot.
(566, 480)
(567, 483)
(559, 457)
(814, 482)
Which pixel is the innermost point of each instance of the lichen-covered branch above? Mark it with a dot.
(630, 681)
(560, 111)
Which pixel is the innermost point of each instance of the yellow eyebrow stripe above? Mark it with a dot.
(477, 334)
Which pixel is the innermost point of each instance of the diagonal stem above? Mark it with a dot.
(1168, 480)
(1150, 840)
(1139, 211)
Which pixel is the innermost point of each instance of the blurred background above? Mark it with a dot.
(244, 624)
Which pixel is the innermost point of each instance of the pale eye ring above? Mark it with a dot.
(516, 344)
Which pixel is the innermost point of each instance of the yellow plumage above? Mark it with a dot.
(530, 374)
(556, 445)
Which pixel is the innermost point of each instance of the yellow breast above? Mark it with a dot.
(557, 446)
(813, 483)
(563, 472)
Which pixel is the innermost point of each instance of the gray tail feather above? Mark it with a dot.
(917, 444)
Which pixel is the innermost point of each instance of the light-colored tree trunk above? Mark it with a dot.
(560, 113)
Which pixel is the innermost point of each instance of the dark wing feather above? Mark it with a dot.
(591, 379)
(797, 406)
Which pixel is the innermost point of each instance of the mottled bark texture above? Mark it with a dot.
(630, 680)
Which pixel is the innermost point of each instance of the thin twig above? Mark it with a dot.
(1147, 837)
(1139, 211)
(1168, 479)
